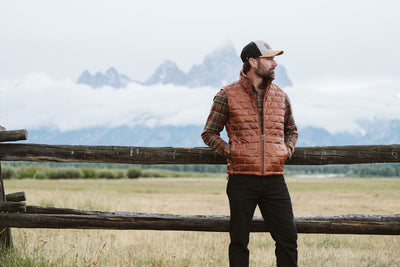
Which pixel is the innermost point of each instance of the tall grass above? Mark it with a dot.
(310, 197)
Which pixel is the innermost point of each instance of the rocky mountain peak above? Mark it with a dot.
(220, 67)
(111, 78)
(168, 72)
(112, 73)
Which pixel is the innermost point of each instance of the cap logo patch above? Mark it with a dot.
(267, 46)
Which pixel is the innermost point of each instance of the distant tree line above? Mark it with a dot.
(171, 167)
(357, 170)
(46, 172)
(51, 170)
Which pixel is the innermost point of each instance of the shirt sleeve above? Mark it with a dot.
(215, 124)
(291, 134)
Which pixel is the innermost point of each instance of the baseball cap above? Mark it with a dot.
(258, 49)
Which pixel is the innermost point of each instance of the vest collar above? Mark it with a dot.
(245, 82)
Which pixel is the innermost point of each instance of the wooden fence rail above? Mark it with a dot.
(179, 155)
(15, 135)
(38, 217)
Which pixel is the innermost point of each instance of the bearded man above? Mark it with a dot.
(262, 135)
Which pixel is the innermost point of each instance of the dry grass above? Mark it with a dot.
(199, 196)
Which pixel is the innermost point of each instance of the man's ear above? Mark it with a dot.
(253, 62)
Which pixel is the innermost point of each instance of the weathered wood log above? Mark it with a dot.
(16, 197)
(52, 210)
(15, 135)
(325, 155)
(108, 154)
(5, 232)
(171, 155)
(38, 217)
(10, 206)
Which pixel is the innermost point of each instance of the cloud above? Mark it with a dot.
(337, 105)
(39, 101)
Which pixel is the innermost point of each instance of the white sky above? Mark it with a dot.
(339, 54)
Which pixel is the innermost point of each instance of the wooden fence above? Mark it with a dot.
(15, 213)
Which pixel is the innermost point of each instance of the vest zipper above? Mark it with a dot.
(261, 121)
(262, 154)
(261, 118)
(262, 128)
(262, 136)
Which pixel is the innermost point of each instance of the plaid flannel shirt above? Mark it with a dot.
(218, 117)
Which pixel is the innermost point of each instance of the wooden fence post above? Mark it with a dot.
(5, 136)
(5, 232)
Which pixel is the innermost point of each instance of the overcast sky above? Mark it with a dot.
(342, 56)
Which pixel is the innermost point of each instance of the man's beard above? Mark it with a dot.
(265, 74)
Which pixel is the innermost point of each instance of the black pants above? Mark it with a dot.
(270, 193)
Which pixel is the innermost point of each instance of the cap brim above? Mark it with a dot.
(272, 53)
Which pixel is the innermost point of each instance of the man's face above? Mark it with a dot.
(266, 67)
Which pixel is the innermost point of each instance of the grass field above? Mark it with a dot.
(310, 197)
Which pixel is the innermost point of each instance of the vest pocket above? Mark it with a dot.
(284, 151)
(235, 153)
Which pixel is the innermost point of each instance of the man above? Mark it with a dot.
(262, 134)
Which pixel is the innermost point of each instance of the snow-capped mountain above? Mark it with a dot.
(111, 78)
(167, 73)
(220, 67)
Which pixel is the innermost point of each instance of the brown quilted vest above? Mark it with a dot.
(251, 152)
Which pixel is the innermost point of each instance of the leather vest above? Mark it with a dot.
(252, 152)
